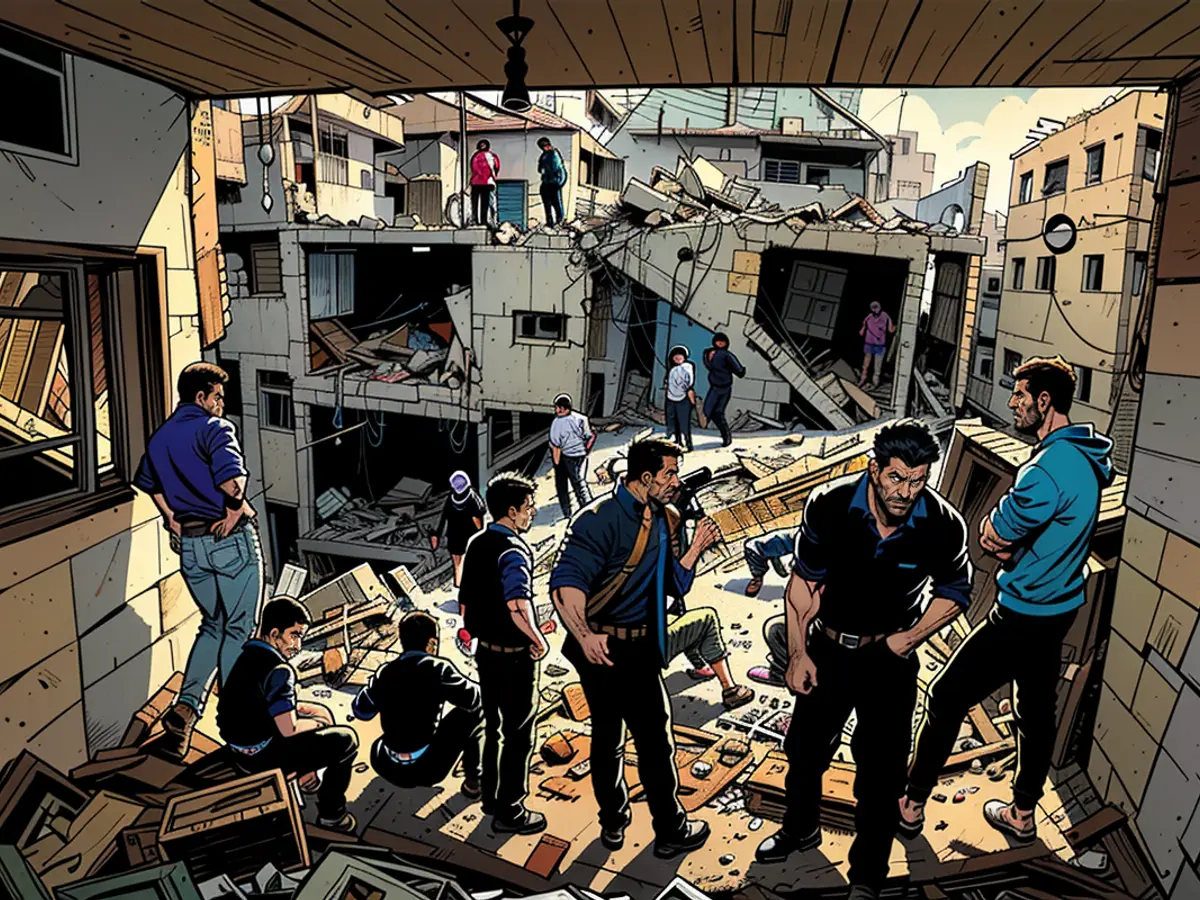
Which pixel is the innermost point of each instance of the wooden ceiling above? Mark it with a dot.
(247, 47)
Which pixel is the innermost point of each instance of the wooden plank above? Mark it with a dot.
(647, 39)
(688, 40)
(934, 33)
(863, 26)
(560, 57)
(987, 731)
(144, 720)
(696, 792)
(991, 32)
(1033, 41)
(91, 841)
(361, 614)
(890, 28)
(812, 40)
(959, 761)
(1095, 827)
(716, 25)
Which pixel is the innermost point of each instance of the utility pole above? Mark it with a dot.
(464, 159)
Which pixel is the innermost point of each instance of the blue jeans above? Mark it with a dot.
(760, 551)
(226, 579)
(679, 421)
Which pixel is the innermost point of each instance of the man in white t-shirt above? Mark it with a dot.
(681, 396)
(571, 439)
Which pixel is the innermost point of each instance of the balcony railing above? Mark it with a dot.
(334, 169)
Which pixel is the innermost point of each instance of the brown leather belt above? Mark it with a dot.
(849, 641)
(194, 528)
(497, 648)
(623, 632)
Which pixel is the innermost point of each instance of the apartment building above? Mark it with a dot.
(911, 173)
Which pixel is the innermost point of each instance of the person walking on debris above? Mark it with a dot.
(697, 635)
(554, 176)
(1041, 530)
(571, 440)
(876, 326)
(462, 517)
(722, 367)
(195, 471)
(767, 550)
(498, 585)
(681, 396)
(866, 548)
(267, 728)
(618, 563)
(420, 744)
(485, 167)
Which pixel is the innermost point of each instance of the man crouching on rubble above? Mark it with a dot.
(616, 568)
(266, 728)
(865, 549)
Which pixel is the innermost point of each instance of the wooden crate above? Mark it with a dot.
(169, 882)
(236, 828)
(32, 795)
(92, 840)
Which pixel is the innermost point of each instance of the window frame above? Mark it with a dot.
(1054, 164)
(519, 338)
(1087, 165)
(275, 390)
(1141, 261)
(70, 121)
(1048, 264)
(1025, 187)
(1088, 260)
(1018, 273)
(779, 165)
(1083, 384)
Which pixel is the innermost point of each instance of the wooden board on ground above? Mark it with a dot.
(987, 731)
(148, 716)
(361, 613)
(959, 761)
(359, 585)
(766, 796)
(695, 792)
(92, 839)
(33, 794)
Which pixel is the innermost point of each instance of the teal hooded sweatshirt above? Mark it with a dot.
(1049, 516)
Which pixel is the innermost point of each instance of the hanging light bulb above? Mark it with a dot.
(515, 28)
(266, 156)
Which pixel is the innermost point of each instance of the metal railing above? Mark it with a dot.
(334, 169)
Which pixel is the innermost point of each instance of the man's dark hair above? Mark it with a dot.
(417, 628)
(720, 336)
(1049, 376)
(647, 455)
(283, 613)
(544, 142)
(508, 490)
(906, 440)
(483, 145)
(200, 376)
(563, 401)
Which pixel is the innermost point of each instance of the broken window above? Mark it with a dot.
(39, 120)
(1095, 164)
(275, 400)
(1083, 384)
(1012, 362)
(985, 368)
(1026, 190)
(598, 323)
(330, 285)
(1153, 143)
(1139, 273)
(993, 285)
(1056, 178)
(266, 266)
(1046, 266)
(601, 172)
(1018, 273)
(816, 176)
(1093, 272)
(781, 171)
(533, 326)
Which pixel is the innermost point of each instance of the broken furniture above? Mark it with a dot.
(169, 882)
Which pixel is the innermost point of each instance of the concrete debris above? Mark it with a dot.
(329, 221)
(369, 222)
(506, 234)
(640, 196)
(412, 220)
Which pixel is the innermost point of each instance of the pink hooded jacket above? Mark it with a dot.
(485, 166)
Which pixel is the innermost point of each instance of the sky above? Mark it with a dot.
(965, 125)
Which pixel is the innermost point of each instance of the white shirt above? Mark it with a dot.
(570, 434)
(680, 380)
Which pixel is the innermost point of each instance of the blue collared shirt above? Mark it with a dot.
(516, 568)
(187, 458)
(596, 546)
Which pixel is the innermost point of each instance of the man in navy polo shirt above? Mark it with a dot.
(194, 469)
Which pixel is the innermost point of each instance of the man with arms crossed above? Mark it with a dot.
(1042, 532)
(866, 548)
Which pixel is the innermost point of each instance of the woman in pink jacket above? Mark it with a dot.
(485, 166)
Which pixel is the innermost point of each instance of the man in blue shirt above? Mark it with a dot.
(1041, 530)
(554, 177)
(497, 590)
(194, 469)
(618, 564)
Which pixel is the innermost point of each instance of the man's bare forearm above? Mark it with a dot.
(802, 601)
(571, 604)
(938, 614)
(522, 614)
(235, 487)
(161, 502)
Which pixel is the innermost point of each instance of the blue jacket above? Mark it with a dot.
(552, 167)
(1049, 515)
(722, 366)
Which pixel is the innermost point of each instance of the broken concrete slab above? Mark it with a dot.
(642, 197)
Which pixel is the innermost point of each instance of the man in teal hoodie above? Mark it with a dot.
(554, 177)
(1041, 530)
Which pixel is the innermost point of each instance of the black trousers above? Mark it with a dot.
(332, 749)
(509, 685)
(631, 692)
(679, 421)
(552, 203)
(714, 408)
(1006, 646)
(459, 734)
(569, 474)
(481, 203)
(882, 688)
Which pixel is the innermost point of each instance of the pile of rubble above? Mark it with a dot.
(432, 354)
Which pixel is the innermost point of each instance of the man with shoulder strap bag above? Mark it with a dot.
(618, 564)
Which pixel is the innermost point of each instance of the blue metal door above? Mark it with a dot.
(511, 202)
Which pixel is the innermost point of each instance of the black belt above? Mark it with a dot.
(849, 641)
(193, 528)
(500, 648)
(623, 632)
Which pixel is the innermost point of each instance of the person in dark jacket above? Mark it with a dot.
(722, 367)
(421, 743)
(554, 176)
(266, 727)
(462, 517)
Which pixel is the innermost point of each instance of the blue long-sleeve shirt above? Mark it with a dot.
(187, 458)
(598, 543)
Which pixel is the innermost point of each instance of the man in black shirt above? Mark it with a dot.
(266, 728)
(722, 366)
(420, 745)
(497, 588)
(866, 548)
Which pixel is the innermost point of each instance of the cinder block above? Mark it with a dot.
(1099, 770)
(1172, 627)
(1118, 796)
(108, 704)
(1180, 571)
(747, 262)
(62, 743)
(1143, 545)
(742, 284)
(40, 619)
(1122, 668)
(1135, 602)
(1126, 743)
(1154, 701)
(1176, 317)
(119, 638)
(1170, 802)
(37, 698)
(125, 565)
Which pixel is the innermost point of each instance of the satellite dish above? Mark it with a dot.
(1059, 233)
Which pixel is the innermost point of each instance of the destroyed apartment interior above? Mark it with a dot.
(402, 234)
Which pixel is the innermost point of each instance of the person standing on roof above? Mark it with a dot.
(722, 367)
(876, 326)
(462, 518)
(681, 396)
(554, 178)
(485, 166)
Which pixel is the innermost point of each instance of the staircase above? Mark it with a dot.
(785, 364)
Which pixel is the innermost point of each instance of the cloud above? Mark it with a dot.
(1000, 134)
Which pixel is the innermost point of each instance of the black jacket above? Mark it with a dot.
(722, 366)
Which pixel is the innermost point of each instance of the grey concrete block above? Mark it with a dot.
(108, 704)
(1167, 807)
(103, 576)
(1170, 488)
(121, 637)
(1186, 886)
(1170, 416)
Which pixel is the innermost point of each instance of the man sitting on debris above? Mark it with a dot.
(615, 570)
(876, 326)
(462, 517)
(1041, 530)
(498, 589)
(571, 440)
(681, 396)
(267, 728)
(722, 366)
(768, 549)
(420, 744)
(697, 634)
(865, 551)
